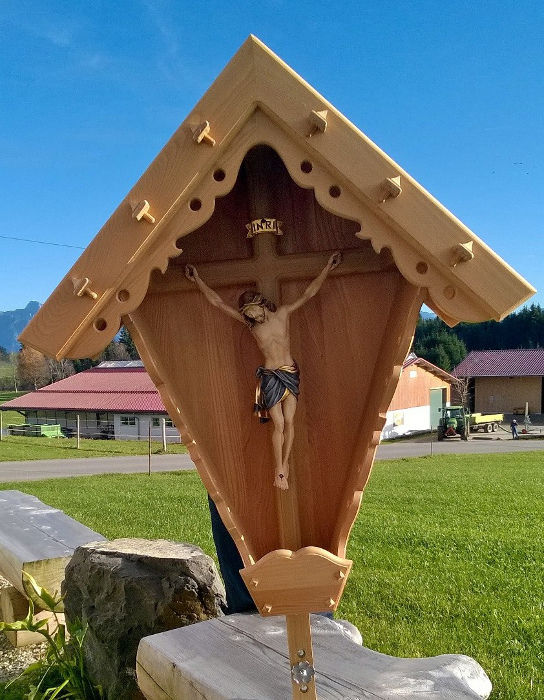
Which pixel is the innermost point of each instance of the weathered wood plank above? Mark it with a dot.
(14, 607)
(37, 538)
(245, 656)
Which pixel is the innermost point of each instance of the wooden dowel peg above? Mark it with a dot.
(391, 188)
(462, 252)
(202, 133)
(141, 211)
(318, 122)
(81, 288)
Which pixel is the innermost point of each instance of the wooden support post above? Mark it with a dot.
(301, 656)
(163, 426)
(78, 426)
(149, 447)
(1, 425)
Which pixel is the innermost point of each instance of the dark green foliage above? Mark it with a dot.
(4, 354)
(522, 329)
(61, 673)
(446, 347)
(116, 350)
(126, 339)
(438, 344)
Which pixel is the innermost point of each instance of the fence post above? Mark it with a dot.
(77, 429)
(163, 426)
(149, 448)
(1, 425)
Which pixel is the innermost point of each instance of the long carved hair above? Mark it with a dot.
(251, 297)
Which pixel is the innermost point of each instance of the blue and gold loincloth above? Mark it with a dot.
(273, 385)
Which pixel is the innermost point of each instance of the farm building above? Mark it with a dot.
(503, 381)
(421, 385)
(115, 400)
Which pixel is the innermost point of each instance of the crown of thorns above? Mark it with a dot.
(258, 300)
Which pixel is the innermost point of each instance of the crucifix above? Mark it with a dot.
(266, 270)
(278, 379)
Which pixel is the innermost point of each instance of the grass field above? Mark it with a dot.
(16, 448)
(11, 417)
(448, 553)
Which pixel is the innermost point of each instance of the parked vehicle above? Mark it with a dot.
(455, 421)
(488, 422)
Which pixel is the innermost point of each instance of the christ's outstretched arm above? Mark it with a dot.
(211, 296)
(315, 285)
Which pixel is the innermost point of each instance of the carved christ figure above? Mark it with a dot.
(278, 378)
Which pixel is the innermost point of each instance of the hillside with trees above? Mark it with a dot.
(28, 369)
(446, 347)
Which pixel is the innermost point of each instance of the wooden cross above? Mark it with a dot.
(265, 271)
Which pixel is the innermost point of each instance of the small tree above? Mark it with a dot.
(59, 369)
(32, 368)
(461, 387)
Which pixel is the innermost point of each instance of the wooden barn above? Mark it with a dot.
(114, 401)
(503, 381)
(410, 407)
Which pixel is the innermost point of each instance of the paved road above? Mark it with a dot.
(53, 468)
(398, 450)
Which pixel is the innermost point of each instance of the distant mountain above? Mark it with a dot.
(13, 322)
(426, 315)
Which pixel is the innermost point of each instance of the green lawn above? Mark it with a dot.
(15, 448)
(448, 553)
(11, 417)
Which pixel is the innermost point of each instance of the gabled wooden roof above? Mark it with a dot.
(259, 99)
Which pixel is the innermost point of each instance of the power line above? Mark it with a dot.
(29, 240)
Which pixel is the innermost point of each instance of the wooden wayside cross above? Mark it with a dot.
(333, 190)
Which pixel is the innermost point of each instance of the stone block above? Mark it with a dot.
(127, 589)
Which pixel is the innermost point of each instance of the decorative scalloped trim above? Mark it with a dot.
(262, 130)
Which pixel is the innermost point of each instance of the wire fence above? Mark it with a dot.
(81, 427)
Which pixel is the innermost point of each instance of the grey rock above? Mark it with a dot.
(127, 589)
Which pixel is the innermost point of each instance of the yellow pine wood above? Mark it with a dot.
(256, 77)
(14, 607)
(287, 583)
(299, 640)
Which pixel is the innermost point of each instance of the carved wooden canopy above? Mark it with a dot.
(259, 99)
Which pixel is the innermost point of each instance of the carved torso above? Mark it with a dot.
(272, 337)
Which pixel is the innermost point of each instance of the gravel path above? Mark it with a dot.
(14, 660)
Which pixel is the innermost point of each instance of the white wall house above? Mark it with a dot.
(116, 400)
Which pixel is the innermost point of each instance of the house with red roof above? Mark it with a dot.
(423, 388)
(115, 400)
(503, 381)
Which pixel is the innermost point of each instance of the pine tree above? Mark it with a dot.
(126, 339)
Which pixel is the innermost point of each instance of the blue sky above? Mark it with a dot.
(90, 92)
